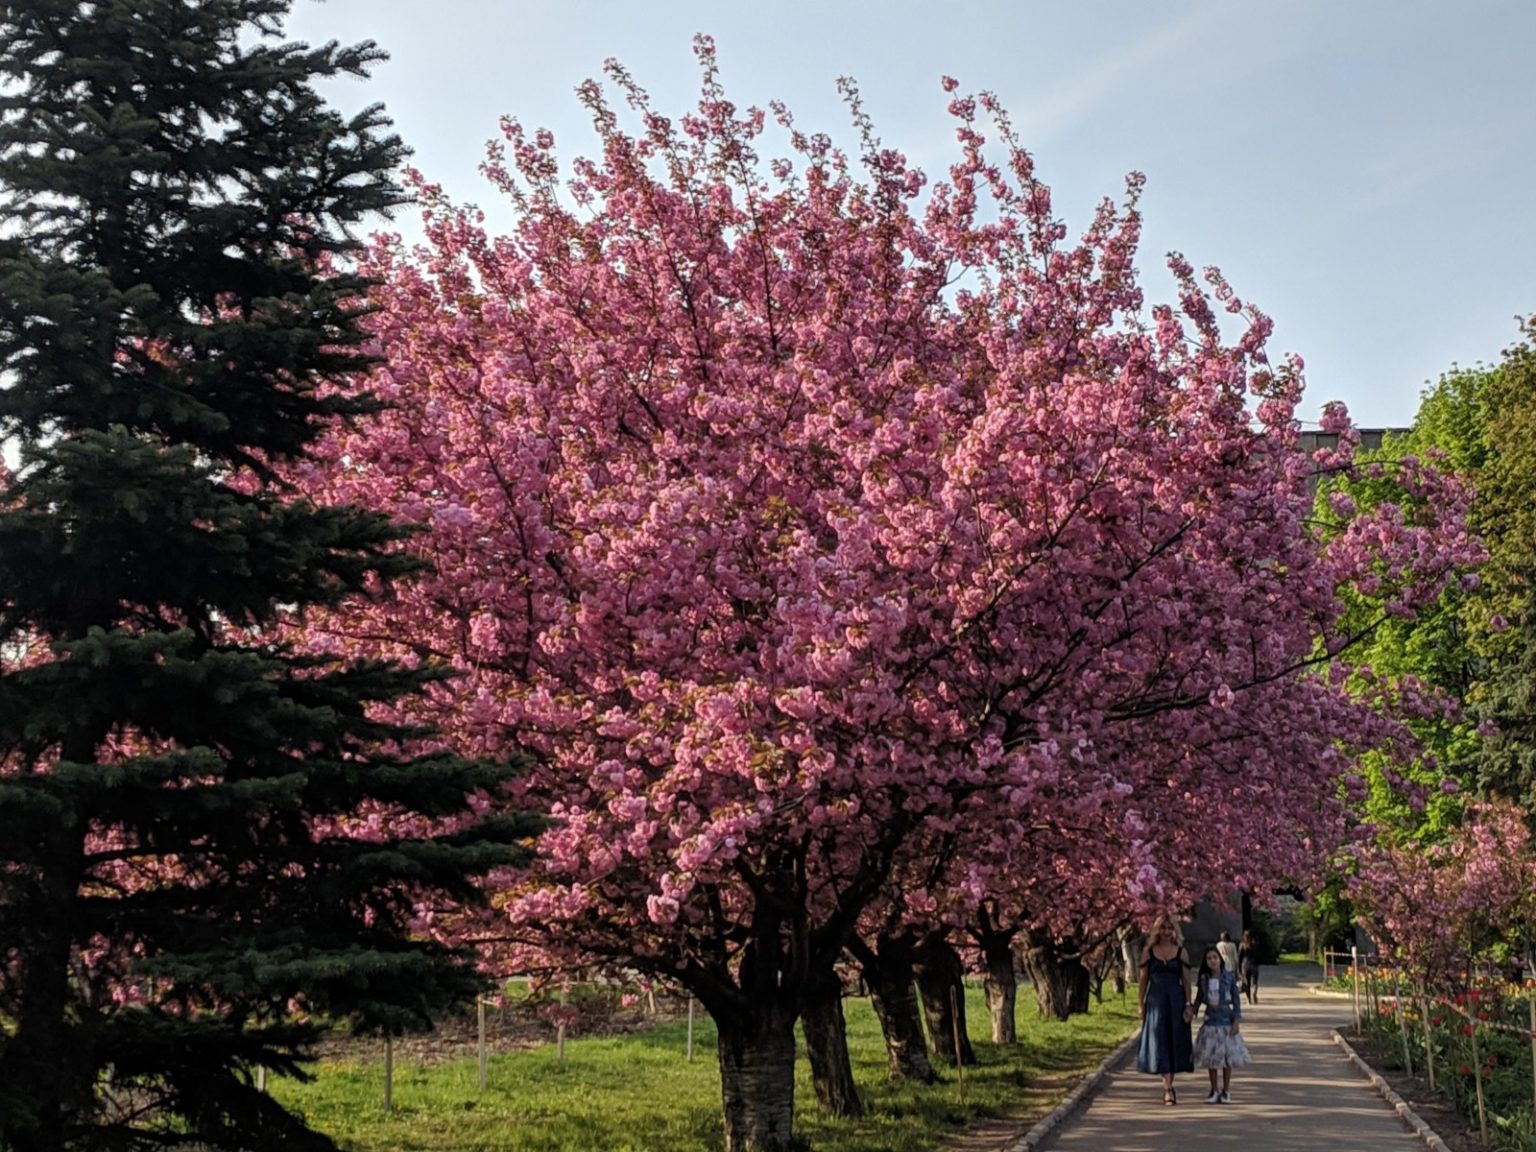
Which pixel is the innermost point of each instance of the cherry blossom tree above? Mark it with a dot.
(801, 516)
(1439, 907)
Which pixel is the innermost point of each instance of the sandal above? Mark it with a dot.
(1169, 1097)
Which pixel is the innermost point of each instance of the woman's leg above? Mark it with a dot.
(1226, 1078)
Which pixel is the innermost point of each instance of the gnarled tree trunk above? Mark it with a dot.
(1130, 958)
(757, 1078)
(887, 970)
(1059, 978)
(941, 982)
(826, 1042)
(1001, 983)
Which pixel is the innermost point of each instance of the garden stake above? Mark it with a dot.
(1354, 972)
(480, 1014)
(690, 1029)
(560, 1029)
(1477, 1078)
(954, 1019)
(1533, 1048)
(389, 1073)
(1402, 1026)
(1429, 1043)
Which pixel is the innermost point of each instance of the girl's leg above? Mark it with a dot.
(1226, 1078)
(1213, 1079)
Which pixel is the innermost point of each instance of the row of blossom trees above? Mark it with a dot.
(1443, 884)
(861, 566)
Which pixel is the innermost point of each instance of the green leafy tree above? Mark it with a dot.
(1504, 632)
(210, 837)
(1430, 655)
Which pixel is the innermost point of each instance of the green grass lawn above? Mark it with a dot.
(637, 1093)
(1296, 958)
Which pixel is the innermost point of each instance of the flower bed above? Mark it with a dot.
(1475, 1047)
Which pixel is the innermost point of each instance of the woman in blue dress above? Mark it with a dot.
(1164, 996)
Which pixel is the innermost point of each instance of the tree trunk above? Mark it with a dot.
(45, 1079)
(889, 975)
(1061, 985)
(826, 1042)
(757, 1079)
(1001, 986)
(1126, 968)
(941, 981)
(1079, 986)
(1130, 959)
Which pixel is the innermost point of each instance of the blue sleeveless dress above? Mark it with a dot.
(1165, 1039)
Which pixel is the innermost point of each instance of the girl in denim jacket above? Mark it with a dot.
(1219, 1046)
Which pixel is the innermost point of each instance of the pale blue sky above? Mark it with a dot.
(1364, 171)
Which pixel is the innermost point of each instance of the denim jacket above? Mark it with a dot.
(1229, 1006)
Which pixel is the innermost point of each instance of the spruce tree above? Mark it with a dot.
(179, 319)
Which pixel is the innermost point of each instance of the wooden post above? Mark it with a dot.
(389, 1073)
(1402, 1027)
(480, 1039)
(1354, 971)
(922, 1020)
(261, 1079)
(690, 1029)
(560, 1029)
(1477, 1077)
(954, 1019)
(1429, 1038)
(1533, 1048)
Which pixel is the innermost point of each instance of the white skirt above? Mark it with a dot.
(1217, 1047)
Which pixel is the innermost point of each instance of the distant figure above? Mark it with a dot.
(1219, 1046)
(1228, 952)
(1163, 994)
(1248, 967)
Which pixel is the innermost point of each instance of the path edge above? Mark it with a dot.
(1085, 1088)
(1399, 1105)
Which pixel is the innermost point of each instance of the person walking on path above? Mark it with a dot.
(1305, 1096)
(1228, 951)
(1219, 1047)
(1163, 995)
(1248, 966)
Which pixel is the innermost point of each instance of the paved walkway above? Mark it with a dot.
(1299, 1095)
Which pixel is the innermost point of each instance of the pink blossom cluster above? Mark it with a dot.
(1441, 907)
